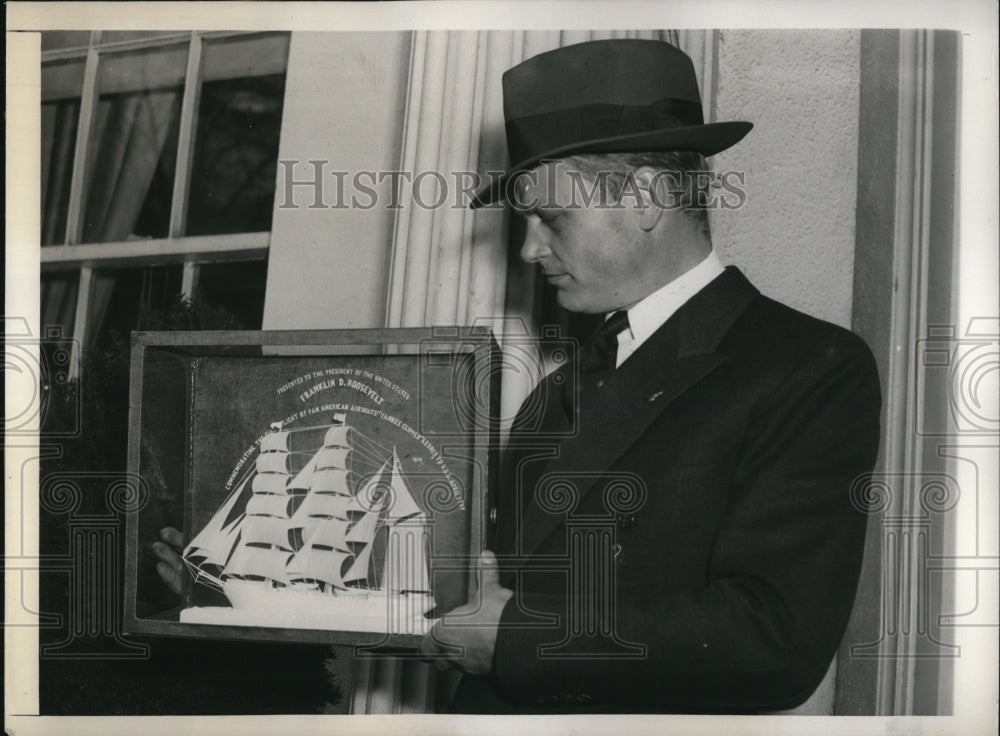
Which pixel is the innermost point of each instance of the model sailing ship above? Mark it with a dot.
(302, 551)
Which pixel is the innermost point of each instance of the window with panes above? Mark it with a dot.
(158, 161)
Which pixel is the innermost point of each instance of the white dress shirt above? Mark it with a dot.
(647, 315)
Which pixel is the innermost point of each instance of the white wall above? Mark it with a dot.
(794, 238)
(344, 104)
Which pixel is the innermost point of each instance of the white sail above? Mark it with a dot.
(215, 541)
(371, 495)
(273, 462)
(270, 483)
(363, 530)
(311, 563)
(359, 571)
(403, 503)
(303, 479)
(266, 562)
(266, 530)
(266, 516)
(321, 505)
(325, 532)
(337, 436)
(268, 504)
(333, 457)
(331, 480)
(274, 442)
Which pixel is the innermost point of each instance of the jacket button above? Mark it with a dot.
(583, 697)
(493, 515)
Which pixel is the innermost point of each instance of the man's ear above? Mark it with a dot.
(651, 203)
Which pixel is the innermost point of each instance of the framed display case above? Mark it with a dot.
(330, 485)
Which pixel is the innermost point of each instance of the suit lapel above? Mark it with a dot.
(685, 349)
(526, 443)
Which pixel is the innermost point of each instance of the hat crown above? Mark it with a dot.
(612, 96)
(613, 72)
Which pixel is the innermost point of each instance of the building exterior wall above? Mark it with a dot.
(794, 237)
(344, 105)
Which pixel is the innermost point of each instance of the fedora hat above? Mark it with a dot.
(614, 96)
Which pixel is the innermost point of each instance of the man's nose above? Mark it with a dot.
(534, 247)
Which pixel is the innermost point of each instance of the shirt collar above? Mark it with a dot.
(647, 315)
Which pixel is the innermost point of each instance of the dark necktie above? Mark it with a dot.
(600, 352)
(597, 359)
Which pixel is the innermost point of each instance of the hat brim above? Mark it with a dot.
(707, 140)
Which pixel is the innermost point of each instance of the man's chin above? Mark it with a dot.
(572, 303)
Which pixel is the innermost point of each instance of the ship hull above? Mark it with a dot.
(258, 604)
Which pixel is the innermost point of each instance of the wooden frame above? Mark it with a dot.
(176, 355)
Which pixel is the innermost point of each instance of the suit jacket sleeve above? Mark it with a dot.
(782, 573)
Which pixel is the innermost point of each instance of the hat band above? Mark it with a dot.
(531, 137)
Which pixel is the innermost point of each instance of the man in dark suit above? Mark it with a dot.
(675, 529)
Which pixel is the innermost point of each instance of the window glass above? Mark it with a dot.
(236, 141)
(58, 307)
(62, 83)
(120, 297)
(132, 154)
(238, 288)
(129, 174)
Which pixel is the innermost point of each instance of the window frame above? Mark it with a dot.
(191, 251)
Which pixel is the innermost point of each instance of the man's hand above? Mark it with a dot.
(171, 567)
(465, 637)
